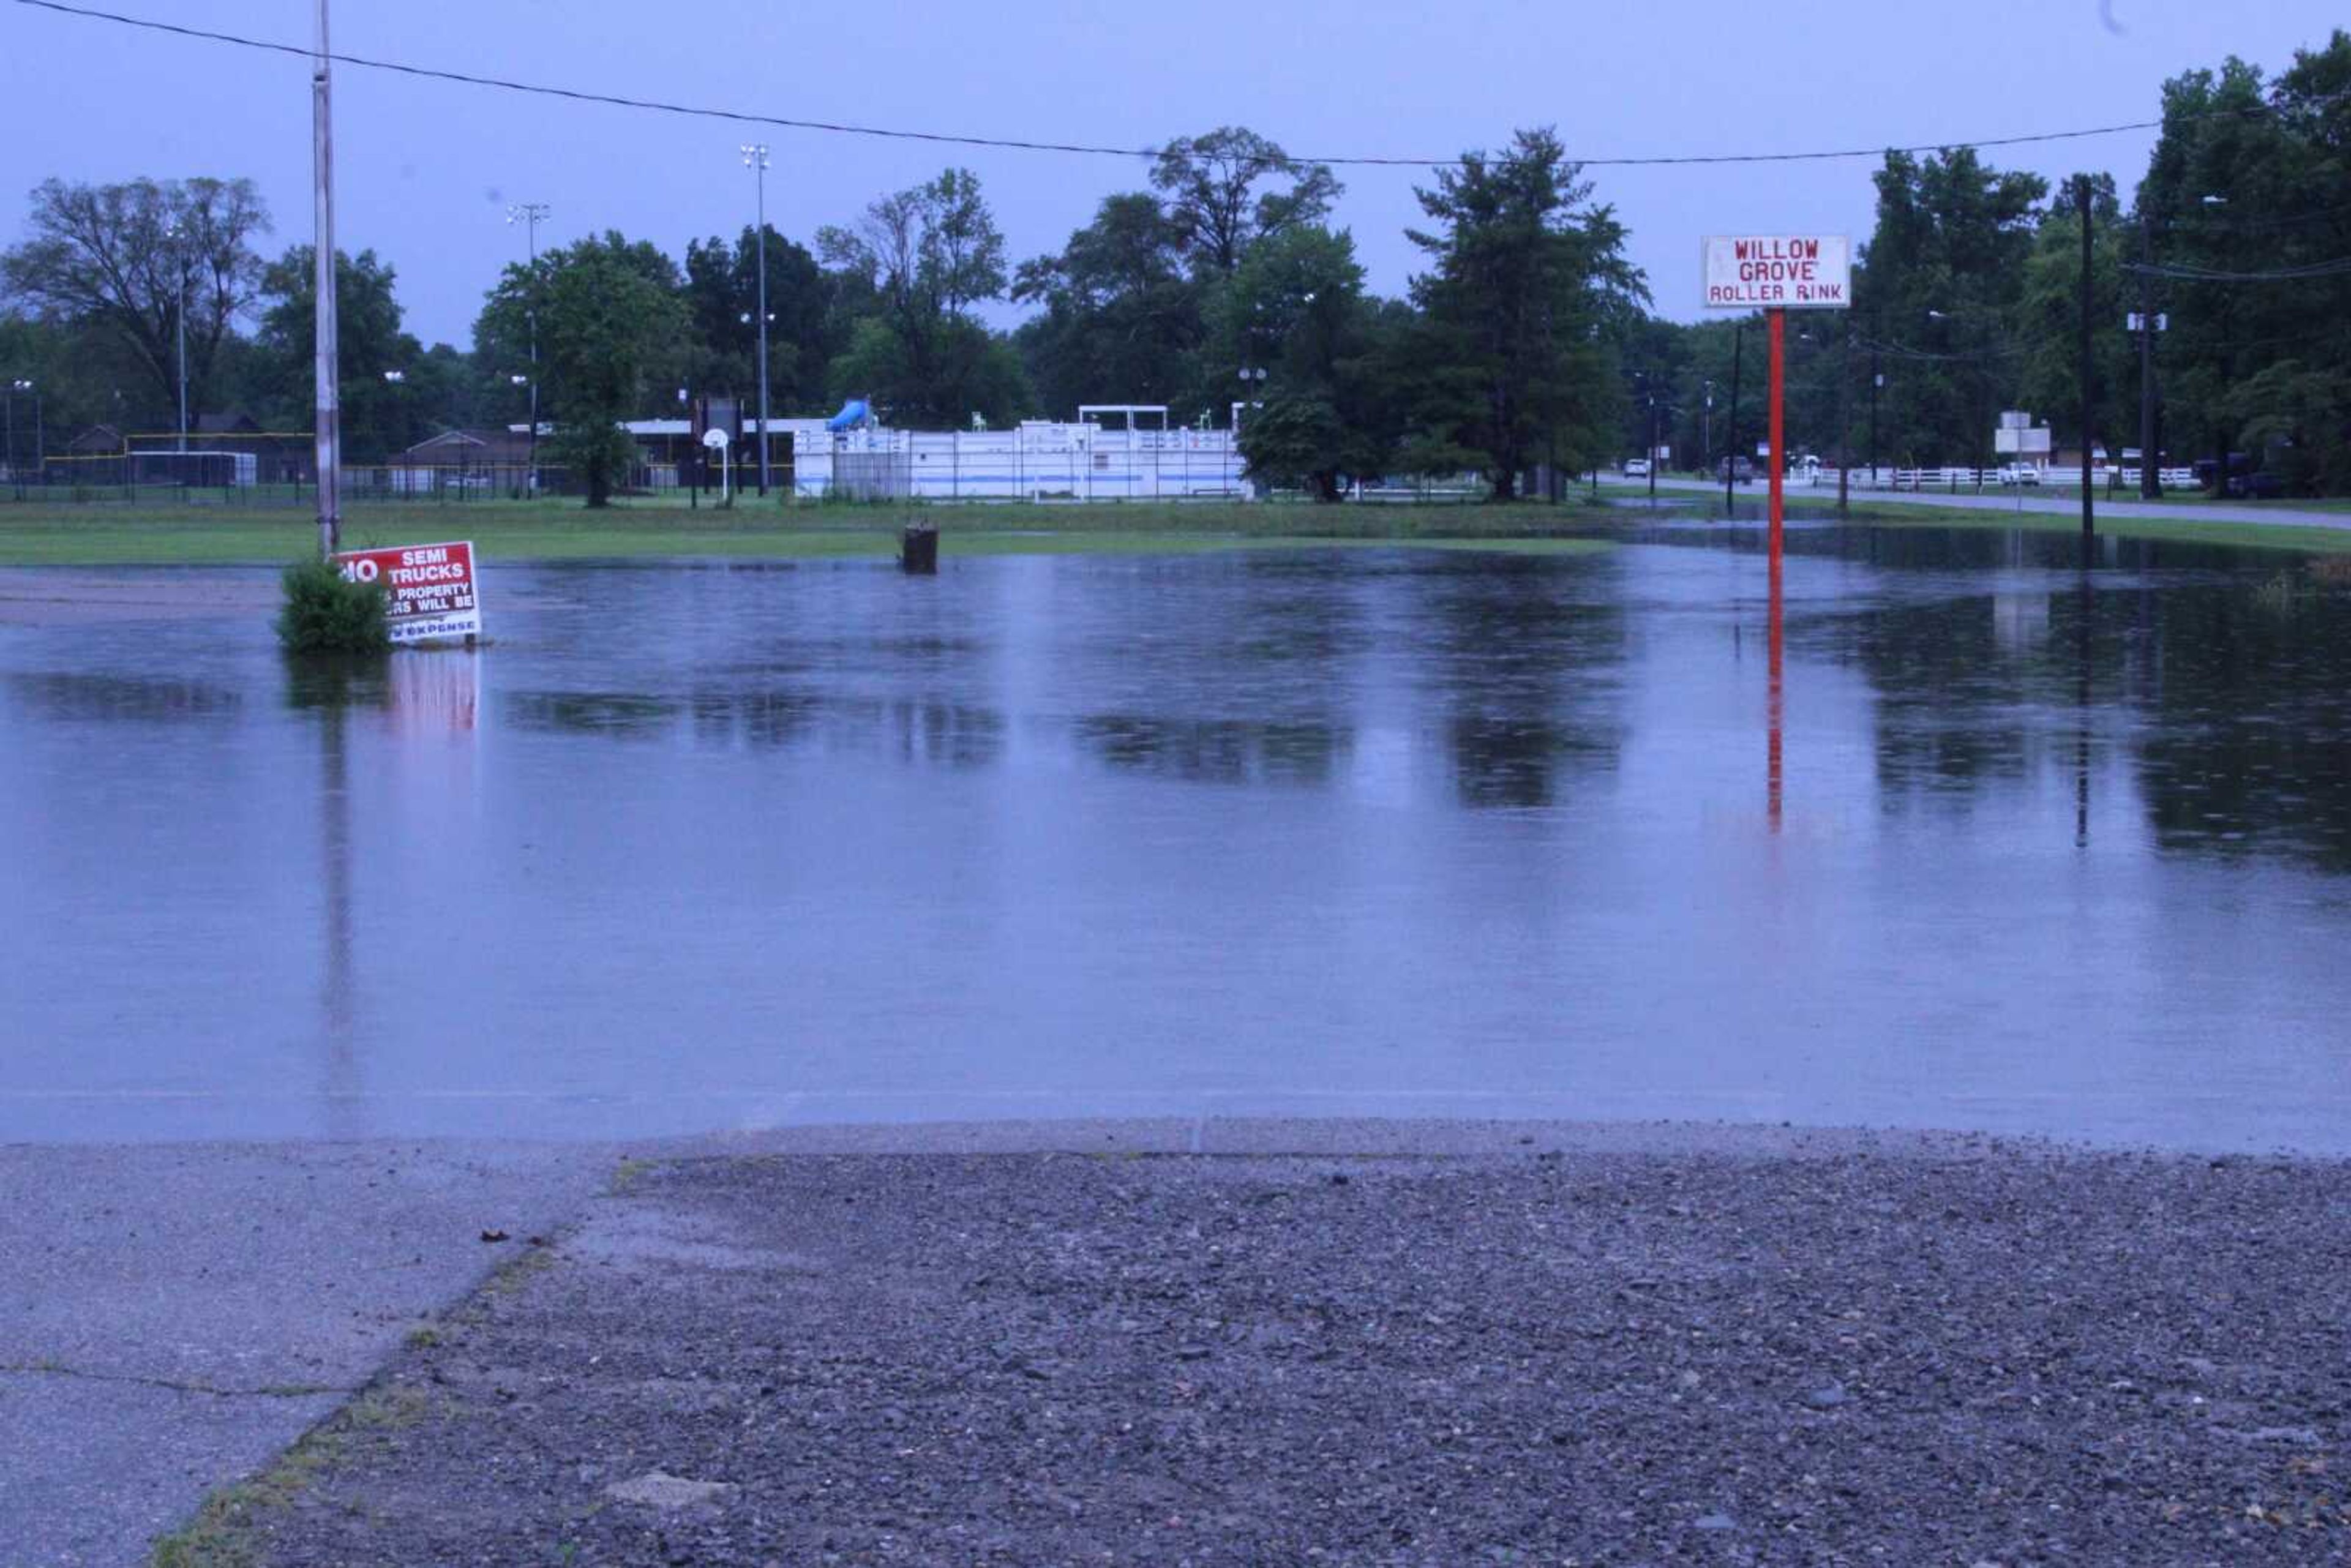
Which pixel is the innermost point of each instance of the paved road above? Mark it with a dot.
(1919, 1350)
(172, 1317)
(2002, 501)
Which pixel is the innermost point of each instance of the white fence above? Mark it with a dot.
(1954, 479)
(1037, 461)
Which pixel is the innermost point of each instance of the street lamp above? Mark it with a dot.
(519, 380)
(1982, 413)
(530, 215)
(180, 323)
(754, 158)
(40, 446)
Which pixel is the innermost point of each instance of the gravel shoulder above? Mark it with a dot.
(1583, 1349)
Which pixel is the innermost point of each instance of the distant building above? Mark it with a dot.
(1112, 452)
(481, 447)
(481, 459)
(2020, 440)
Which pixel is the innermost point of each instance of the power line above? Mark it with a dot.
(2338, 267)
(745, 117)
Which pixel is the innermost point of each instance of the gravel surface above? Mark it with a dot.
(1977, 1355)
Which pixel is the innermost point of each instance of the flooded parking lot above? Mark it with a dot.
(1328, 831)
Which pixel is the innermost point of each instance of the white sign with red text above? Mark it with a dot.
(1779, 272)
(428, 589)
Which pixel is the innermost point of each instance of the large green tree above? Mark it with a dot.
(1936, 300)
(2241, 221)
(1296, 308)
(2049, 371)
(722, 288)
(1525, 273)
(1120, 317)
(380, 415)
(121, 261)
(926, 257)
(611, 324)
(1231, 188)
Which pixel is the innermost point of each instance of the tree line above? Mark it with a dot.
(1526, 340)
(1966, 300)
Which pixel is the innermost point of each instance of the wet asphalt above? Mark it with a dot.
(1611, 1345)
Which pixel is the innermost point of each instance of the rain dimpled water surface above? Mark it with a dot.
(1364, 830)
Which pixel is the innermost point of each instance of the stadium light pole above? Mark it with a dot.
(529, 215)
(41, 444)
(754, 158)
(180, 323)
(327, 434)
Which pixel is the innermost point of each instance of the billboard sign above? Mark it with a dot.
(1779, 272)
(428, 589)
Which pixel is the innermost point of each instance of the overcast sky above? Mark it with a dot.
(427, 169)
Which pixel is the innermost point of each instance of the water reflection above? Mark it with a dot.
(626, 714)
(77, 697)
(331, 682)
(1366, 829)
(1216, 751)
(340, 1079)
(1776, 700)
(770, 718)
(1528, 663)
(2246, 696)
(2226, 691)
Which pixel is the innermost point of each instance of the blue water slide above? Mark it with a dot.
(852, 415)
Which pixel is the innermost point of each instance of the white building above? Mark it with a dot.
(1112, 452)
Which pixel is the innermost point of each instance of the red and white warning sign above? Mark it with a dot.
(1789, 272)
(428, 589)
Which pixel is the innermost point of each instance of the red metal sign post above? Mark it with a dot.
(1778, 322)
(1778, 319)
(1775, 274)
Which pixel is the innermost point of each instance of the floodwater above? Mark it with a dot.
(1339, 830)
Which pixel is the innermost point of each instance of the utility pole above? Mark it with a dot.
(529, 215)
(1730, 439)
(327, 431)
(1706, 438)
(1877, 381)
(1652, 464)
(1845, 419)
(2150, 482)
(2081, 194)
(754, 158)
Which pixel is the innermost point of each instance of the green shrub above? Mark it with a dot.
(325, 614)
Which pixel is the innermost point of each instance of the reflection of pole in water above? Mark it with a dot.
(2082, 710)
(1777, 699)
(339, 1087)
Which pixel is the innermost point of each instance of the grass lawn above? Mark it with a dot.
(38, 534)
(93, 535)
(2187, 529)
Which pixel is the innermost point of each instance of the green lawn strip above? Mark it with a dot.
(95, 535)
(2307, 539)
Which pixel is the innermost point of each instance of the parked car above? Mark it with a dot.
(2259, 485)
(1741, 469)
(1636, 468)
(2019, 474)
